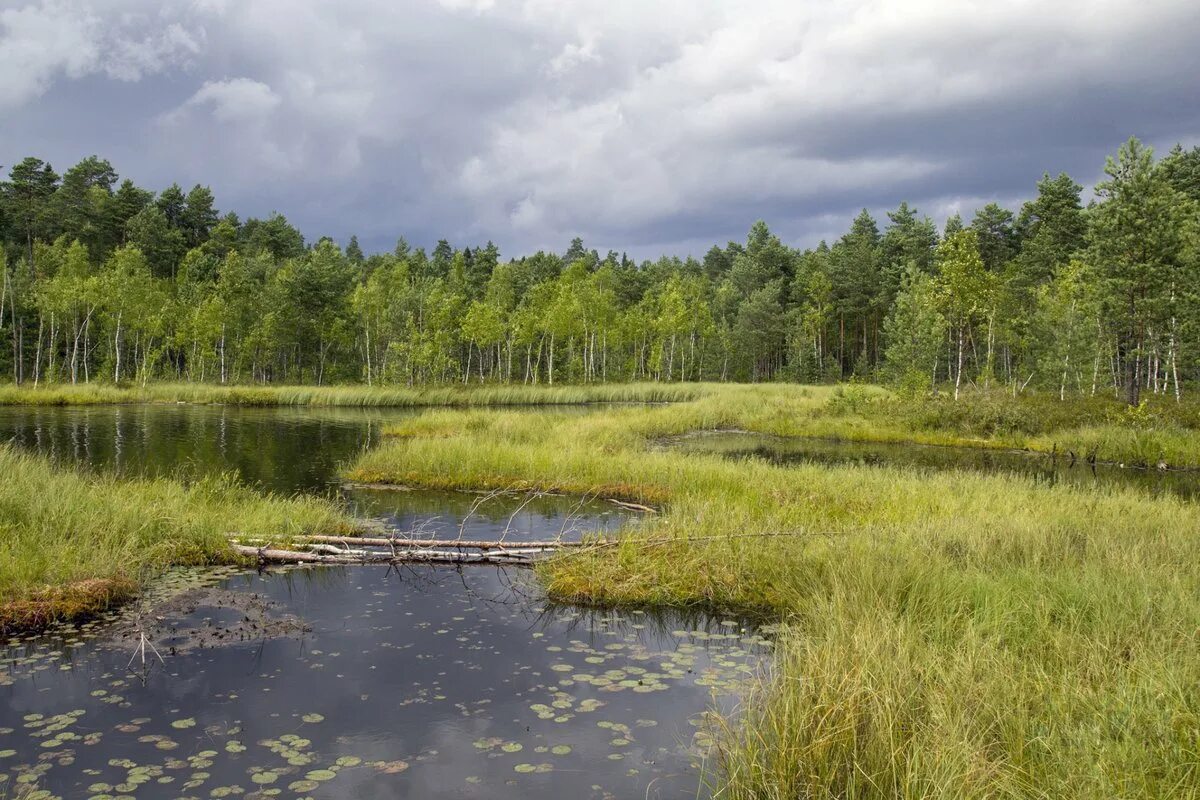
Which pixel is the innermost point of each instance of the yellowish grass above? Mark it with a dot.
(945, 635)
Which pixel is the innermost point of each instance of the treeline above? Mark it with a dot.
(108, 281)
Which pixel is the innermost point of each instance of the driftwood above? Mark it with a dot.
(321, 549)
(270, 555)
(466, 544)
(633, 506)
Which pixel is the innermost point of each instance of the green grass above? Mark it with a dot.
(73, 543)
(1162, 433)
(944, 635)
(359, 396)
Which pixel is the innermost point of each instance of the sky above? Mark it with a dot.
(645, 126)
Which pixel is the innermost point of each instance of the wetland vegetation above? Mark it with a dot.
(946, 634)
(350, 680)
(943, 626)
(914, 611)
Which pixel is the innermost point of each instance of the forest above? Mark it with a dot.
(105, 281)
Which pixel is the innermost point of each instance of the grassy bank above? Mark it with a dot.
(1160, 432)
(72, 544)
(946, 635)
(350, 396)
(1163, 432)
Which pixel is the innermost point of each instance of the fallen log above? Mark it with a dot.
(633, 506)
(448, 551)
(469, 544)
(269, 555)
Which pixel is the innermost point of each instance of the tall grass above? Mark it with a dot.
(1163, 433)
(72, 543)
(362, 396)
(945, 635)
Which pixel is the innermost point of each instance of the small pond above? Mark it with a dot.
(337, 682)
(1038, 468)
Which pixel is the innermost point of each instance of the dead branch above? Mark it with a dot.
(276, 556)
(401, 542)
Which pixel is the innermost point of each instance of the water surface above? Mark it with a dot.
(422, 683)
(339, 682)
(1042, 469)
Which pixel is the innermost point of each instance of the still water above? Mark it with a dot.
(352, 681)
(1037, 468)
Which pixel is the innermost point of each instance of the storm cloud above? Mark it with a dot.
(646, 127)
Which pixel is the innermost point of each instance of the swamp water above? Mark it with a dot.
(351, 681)
(1038, 468)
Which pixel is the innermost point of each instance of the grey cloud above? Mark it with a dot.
(651, 128)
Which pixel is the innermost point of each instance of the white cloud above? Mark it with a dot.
(233, 100)
(478, 6)
(41, 42)
(132, 59)
(572, 55)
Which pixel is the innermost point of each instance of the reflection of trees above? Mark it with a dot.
(1039, 468)
(492, 515)
(280, 449)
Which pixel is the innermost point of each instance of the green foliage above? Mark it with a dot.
(915, 330)
(940, 635)
(72, 542)
(1056, 298)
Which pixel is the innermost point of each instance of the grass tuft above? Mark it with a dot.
(944, 635)
(355, 396)
(74, 543)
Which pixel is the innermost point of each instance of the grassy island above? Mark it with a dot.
(947, 634)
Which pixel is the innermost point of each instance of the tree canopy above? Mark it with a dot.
(105, 280)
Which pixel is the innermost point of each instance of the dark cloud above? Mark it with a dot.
(645, 128)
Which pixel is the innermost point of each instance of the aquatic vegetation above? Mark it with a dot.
(282, 727)
(352, 395)
(74, 543)
(942, 634)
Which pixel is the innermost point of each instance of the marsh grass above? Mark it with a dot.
(355, 396)
(1160, 433)
(945, 635)
(73, 543)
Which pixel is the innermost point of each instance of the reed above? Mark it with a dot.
(947, 635)
(359, 396)
(74, 543)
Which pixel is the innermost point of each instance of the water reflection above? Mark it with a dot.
(401, 682)
(420, 682)
(284, 450)
(1038, 468)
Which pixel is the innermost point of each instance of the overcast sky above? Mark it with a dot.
(649, 126)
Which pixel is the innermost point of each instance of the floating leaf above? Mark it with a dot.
(321, 775)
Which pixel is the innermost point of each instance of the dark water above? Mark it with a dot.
(411, 684)
(353, 681)
(284, 450)
(1038, 468)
